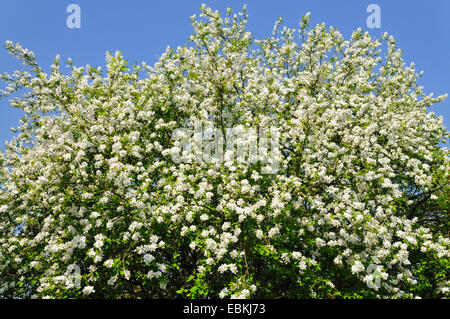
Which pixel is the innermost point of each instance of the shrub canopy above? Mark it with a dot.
(92, 203)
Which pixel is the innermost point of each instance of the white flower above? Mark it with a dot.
(88, 290)
(273, 231)
(259, 234)
(148, 258)
(296, 255)
(222, 268)
(98, 244)
(302, 265)
(232, 268)
(338, 260)
(201, 269)
(357, 267)
(92, 253)
(223, 293)
(111, 281)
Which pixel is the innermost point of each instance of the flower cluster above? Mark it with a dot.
(89, 180)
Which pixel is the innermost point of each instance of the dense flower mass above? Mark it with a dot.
(93, 205)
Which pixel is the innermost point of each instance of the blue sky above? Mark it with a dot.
(141, 29)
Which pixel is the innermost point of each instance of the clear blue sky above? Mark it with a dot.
(141, 29)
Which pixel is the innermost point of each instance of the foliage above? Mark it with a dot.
(362, 182)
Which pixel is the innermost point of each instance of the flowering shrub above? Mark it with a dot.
(93, 205)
